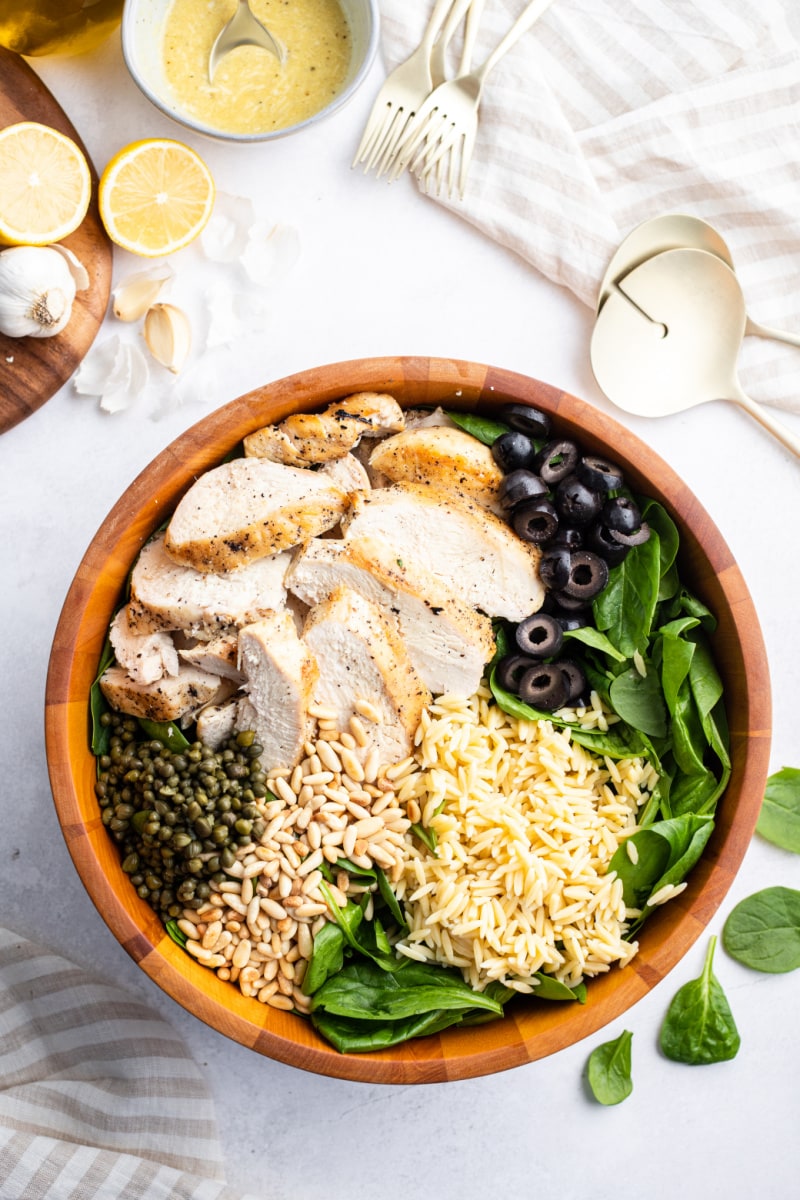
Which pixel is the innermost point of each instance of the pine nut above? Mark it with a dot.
(314, 835)
(241, 955)
(273, 909)
(211, 935)
(296, 780)
(352, 766)
(271, 970)
(305, 795)
(284, 791)
(198, 951)
(368, 826)
(328, 757)
(322, 712)
(247, 891)
(310, 864)
(367, 710)
(305, 942)
(235, 903)
(319, 777)
(268, 990)
(331, 853)
(189, 928)
(284, 984)
(371, 765)
(357, 732)
(254, 868)
(379, 805)
(282, 1002)
(284, 886)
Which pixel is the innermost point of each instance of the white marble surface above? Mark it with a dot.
(383, 270)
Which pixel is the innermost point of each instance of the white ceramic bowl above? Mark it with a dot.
(142, 26)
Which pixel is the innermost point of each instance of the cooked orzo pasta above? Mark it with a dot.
(526, 822)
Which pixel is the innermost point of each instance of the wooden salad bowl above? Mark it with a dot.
(531, 1030)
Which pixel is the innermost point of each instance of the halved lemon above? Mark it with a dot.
(45, 185)
(155, 196)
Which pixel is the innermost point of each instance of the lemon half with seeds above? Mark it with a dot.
(155, 196)
(45, 185)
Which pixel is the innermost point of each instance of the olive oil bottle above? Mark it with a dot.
(57, 26)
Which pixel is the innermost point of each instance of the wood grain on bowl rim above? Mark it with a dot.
(529, 1031)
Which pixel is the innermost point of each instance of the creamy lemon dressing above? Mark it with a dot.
(252, 92)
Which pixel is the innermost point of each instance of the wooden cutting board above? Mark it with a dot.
(33, 369)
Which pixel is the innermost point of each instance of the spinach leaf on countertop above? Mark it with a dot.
(763, 931)
(699, 1027)
(779, 819)
(609, 1070)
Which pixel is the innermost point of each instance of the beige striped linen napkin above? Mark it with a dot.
(99, 1099)
(611, 112)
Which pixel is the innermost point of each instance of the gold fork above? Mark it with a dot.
(404, 89)
(447, 123)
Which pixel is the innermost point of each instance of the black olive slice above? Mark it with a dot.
(577, 685)
(572, 620)
(599, 474)
(526, 419)
(539, 635)
(621, 514)
(631, 539)
(556, 460)
(568, 537)
(576, 502)
(535, 521)
(519, 486)
(545, 687)
(568, 604)
(513, 450)
(510, 669)
(602, 543)
(588, 575)
(554, 567)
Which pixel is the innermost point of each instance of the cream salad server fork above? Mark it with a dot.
(403, 90)
(448, 120)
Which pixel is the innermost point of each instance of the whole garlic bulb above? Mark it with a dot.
(37, 288)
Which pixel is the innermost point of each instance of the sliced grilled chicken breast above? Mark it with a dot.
(169, 595)
(247, 509)
(347, 473)
(166, 699)
(280, 674)
(217, 722)
(361, 656)
(448, 642)
(219, 656)
(145, 656)
(476, 554)
(306, 438)
(444, 456)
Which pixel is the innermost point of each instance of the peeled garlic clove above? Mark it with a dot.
(76, 268)
(168, 335)
(134, 295)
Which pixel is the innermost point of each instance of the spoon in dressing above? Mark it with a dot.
(685, 352)
(676, 231)
(243, 29)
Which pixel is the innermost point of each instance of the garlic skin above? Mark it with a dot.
(37, 288)
(136, 293)
(168, 335)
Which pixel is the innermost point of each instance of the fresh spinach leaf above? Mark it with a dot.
(482, 428)
(166, 732)
(177, 934)
(625, 608)
(363, 991)
(609, 1070)
(101, 734)
(665, 852)
(659, 519)
(699, 1027)
(589, 636)
(427, 837)
(327, 957)
(638, 699)
(391, 902)
(779, 819)
(763, 931)
(350, 1036)
(550, 988)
